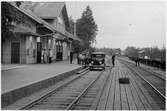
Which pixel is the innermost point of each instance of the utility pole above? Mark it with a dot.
(75, 29)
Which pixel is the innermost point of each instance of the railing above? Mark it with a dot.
(153, 63)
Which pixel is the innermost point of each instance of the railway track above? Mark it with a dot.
(76, 94)
(155, 82)
(91, 96)
(149, 71)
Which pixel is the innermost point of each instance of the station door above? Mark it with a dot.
(39, 52)
(15, 52)
(59, 49)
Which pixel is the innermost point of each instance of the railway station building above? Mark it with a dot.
(34, 32)
(55, 14)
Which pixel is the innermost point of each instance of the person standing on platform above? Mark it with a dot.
(44, 56)
(113, 60)
(78, 59)
(50, 56)
(137, 61)
(71, 57)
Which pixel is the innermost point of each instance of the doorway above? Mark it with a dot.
(59, 49)
(39, 52)
(15, 52)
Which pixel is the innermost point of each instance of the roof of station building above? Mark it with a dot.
(49, 9)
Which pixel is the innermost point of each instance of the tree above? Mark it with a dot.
(71, 23)
(77, 47)
(163, 54)
(153, 53)
(11, 16)
(7, 18)
(131, 51)
(86, 28)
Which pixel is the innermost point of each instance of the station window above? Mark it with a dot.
(31, 45)
(60, 20)
(38, 39)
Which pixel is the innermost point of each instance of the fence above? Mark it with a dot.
(153, 63)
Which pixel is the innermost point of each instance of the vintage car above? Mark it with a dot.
(97, 61)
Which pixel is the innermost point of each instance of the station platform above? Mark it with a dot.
(22, 80)
(130, 96)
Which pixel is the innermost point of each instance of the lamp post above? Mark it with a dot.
(74, 34)
(75, 28)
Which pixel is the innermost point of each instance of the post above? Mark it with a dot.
(74, 28)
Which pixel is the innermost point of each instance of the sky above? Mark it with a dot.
(125, 23)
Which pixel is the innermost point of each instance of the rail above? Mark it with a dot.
(150, 84)
(30, 104)
(83, 92)
(61, 90)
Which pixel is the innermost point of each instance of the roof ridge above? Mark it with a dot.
(35, 17)
(56, 11)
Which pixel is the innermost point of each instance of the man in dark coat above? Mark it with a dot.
(137, 61)
(71, 57)
(113, 60)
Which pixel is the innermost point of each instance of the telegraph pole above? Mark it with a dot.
(75, 29)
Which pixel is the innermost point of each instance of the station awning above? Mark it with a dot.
(76, 38)
(69, 35)
(59, 37)
(19, 30)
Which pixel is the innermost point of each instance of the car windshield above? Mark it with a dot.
(98, 56)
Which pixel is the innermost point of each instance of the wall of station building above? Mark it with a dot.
(27, 49)
(31, 49)
(65, 50)
(53, 48)
(28, 43)
(50, 43)
(6, 51)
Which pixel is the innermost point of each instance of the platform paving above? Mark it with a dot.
(16, 76)
(132, 96)
(18, 81)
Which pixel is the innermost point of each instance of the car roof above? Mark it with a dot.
(98, 53)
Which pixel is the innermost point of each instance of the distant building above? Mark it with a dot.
(142, 54)
(117, 51)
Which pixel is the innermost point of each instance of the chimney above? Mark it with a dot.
(18, 3)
